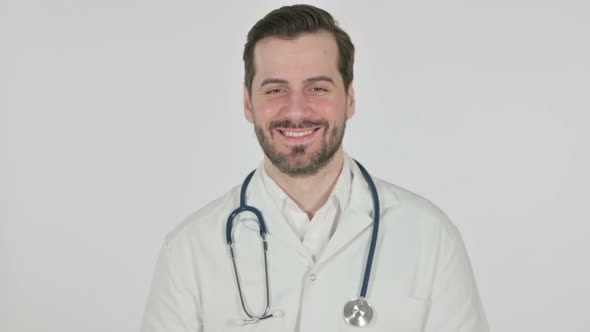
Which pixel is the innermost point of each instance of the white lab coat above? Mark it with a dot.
(421, 277)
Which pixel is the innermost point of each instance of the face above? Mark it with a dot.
(298, 103)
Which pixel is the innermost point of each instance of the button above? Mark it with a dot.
(312, 277)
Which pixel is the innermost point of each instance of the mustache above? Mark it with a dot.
(297, 125)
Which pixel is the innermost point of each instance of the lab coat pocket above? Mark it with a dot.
(397, 312)
(403, 314)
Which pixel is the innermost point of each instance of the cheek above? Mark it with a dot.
(267, 110)
(330, 110)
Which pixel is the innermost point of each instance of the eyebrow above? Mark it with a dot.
(319, 79)
(272, 80)
(314, 79)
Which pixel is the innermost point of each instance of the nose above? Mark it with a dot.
(297, 106)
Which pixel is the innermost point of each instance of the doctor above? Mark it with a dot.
(318, 211)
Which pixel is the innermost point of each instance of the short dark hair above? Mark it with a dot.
(290, 22)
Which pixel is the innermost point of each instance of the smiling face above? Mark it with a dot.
(298, 103)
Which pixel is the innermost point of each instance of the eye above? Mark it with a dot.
(274, 91)
(319, 90)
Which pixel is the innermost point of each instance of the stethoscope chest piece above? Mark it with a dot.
(358, 312)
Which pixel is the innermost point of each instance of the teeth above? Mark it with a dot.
(297, 134)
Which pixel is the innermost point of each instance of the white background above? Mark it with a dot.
(119, 118)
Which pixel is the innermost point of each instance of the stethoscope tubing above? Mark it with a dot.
(242, 208)
(263, 231)
(375, 232)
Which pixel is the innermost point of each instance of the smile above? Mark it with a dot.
(298, 136)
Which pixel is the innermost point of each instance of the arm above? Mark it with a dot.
(172, 305)
(455, 305)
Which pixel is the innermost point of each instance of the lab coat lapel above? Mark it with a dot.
(358, 214)
(352, 223)
(355, 218)
(277, 226)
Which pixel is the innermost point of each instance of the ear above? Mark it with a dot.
(350, 102)
(248, 106)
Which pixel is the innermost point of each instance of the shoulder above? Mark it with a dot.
(414, 208)
(204, 220)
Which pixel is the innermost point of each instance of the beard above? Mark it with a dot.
(300, 161)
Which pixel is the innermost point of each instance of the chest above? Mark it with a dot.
(310, 295)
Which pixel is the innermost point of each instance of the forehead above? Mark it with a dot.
(306, 55)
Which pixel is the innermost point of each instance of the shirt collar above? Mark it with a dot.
(341, 191)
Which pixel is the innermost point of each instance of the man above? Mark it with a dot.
(319, 214)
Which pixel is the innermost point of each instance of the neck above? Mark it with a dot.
(310, 192)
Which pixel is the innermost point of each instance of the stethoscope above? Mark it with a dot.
(357, 312)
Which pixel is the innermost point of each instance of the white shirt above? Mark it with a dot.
(314, 233)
